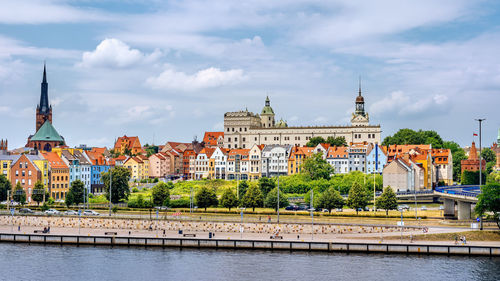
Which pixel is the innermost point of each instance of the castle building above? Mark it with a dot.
(243, 129)
(46, 137)
(472, 163)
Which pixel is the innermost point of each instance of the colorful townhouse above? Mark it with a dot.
(85, 169)
(99, 165)
(175, 162)
(376, 159)
(138, 166)
(237, 164)
(159, 165)
(59, 176)
(255, 158)
(189, 161)
(403, 175)
(74, 165)
(43, 166)
(6, 163)
(357, 157)
(443, 161)
(25, 172)
(275, 160)
(298, 155)
(128, 146)
(213, 139)
(219, 162)
(338, 158)
(202, 163)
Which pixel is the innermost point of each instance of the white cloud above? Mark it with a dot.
(401, 104)
(114, 53)
(206, 78)
(46, 11)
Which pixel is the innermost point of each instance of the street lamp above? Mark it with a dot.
(312, 214)
(480, 164)
(480, 150)
(110, 184)
(278, 208)
(241, 226)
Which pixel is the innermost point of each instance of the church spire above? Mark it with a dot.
(44, 96)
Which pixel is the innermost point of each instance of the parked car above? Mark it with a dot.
(71, 213)
(292, 208)
(90, 213)
(303, 208)
(339, 210)
(26, 211)
(325, 211)
(403, 207)
(52, 212)
(423, 208)
(441, 207)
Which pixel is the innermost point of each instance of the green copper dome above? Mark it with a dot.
(47, 133)
(281, 124)
(267, 108)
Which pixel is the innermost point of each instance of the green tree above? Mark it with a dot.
(161, 194)
(271, 200)
(387, 200)
(205, 198)
(120, 189)
(242, 188)
(19, 194)
(315, 167)
(266, 185)
(75, 193)
(252, 198)
(357, 198)
(4, 187)
(489, 155)
(409, 136)
(472, 177)
(489, 201)
(228, 199)
(338, 141)
(330, 199)
(150, 149)
(38, 192)
(314, 141)
(458, 156)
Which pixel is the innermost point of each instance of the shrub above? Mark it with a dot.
(180, 203)
(135, 190)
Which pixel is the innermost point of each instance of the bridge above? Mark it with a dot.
(464, 195)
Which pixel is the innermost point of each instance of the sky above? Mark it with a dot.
(169, 70)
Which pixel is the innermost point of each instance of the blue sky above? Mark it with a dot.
(169, 70)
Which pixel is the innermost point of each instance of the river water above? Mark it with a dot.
(39, 262)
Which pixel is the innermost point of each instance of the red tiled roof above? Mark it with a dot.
(54, 160)
(210, 138)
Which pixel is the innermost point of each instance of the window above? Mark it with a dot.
(29, 173)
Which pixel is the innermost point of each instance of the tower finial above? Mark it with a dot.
(360, 85)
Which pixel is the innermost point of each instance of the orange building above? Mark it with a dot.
(59, 176)
(214, 139)
(128, 145)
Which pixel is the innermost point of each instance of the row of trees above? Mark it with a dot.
(338, 141)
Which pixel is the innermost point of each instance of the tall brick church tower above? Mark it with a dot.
(43, 109)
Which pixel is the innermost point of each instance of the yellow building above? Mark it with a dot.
(138, 166)
(297, 157)
(5, 163)
(59, 150)
(43, 165)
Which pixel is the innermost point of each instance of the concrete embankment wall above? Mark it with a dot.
(252, 244)
(170, 225)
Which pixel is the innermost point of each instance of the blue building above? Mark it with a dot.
(99, 165)
(376, 159)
